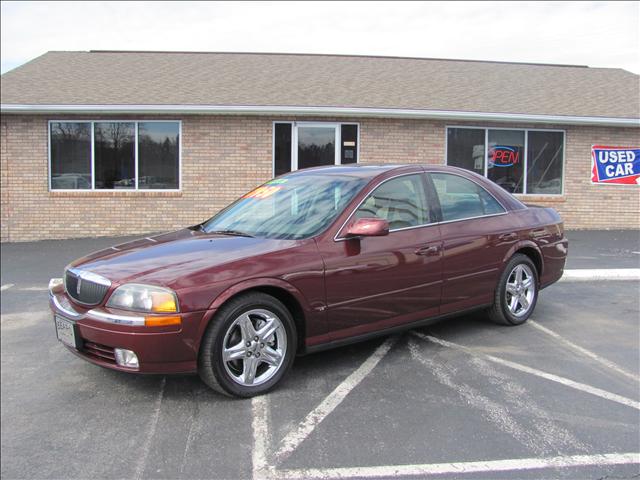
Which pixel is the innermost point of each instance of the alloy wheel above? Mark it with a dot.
(254, 347)
(520, 290)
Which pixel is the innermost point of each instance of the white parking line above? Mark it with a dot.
(585, 352)
(260, 427)
(591, 274)
(146, 447)
(34, 288)
(311, 421)
(538, 373)
(516, 464)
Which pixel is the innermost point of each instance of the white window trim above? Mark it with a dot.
(294, 141)
(93, 155)
(526, 153)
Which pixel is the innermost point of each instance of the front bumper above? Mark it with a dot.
(169, 349)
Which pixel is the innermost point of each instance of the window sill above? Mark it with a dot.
(113, 193)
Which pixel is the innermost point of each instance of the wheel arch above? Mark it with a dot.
(286, 293)
(531, 250)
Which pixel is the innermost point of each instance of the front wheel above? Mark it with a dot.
(248, 347)
(516, 293)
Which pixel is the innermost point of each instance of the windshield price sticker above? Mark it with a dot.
(263, 192)
(615, 165)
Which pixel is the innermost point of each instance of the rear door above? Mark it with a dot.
(373, 283)
(476, 235)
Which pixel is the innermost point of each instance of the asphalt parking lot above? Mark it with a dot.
(558, 397)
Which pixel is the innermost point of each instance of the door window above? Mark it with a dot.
(316, 146)
(401, 201)
(461, 198)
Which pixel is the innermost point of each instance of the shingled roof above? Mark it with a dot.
(174, 79)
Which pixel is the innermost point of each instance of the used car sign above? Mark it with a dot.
(617, 165)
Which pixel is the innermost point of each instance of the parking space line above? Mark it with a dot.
(260, 427)
(294, 438)
(516, 464)
(607, 363)
(591, 274)
(493, 412)
(6, 286)
(142, 461)
(538, 373)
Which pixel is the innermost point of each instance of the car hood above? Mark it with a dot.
(167, 258)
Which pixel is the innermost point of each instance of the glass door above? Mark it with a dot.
(315, 145)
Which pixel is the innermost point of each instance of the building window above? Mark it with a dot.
(70, 156)
(298, 145)
(104, 155)
(545, 151)
(520, 161)
(158, 155)
(505, 157)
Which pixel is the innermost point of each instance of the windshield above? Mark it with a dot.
(292, 207)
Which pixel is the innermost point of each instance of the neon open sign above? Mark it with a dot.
(504, 156)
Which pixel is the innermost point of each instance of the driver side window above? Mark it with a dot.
(401, 201)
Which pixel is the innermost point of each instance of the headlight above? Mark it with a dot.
(144, 298)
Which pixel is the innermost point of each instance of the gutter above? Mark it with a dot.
(320, 111)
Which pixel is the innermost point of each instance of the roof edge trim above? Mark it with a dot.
(326, 111)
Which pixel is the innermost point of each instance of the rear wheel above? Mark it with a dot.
(248, 347)
(517, 292)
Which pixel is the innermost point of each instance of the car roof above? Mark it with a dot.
(356, 170)
(373, 170)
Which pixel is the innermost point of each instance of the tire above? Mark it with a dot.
(514, 301)
(257, 357)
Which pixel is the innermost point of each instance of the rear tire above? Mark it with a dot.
(517, 292)
(248, 346)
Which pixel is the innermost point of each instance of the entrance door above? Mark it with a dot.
(315, 145)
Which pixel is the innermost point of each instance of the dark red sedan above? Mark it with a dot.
(310, 260)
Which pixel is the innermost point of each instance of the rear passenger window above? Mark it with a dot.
(401, 201)
(461, 198)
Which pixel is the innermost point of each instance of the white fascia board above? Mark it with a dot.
(321, 111)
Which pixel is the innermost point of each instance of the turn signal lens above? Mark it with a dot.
(162, 321)
(163, 302)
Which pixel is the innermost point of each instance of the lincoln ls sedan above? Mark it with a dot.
(308, 261)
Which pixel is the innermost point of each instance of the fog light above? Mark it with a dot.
(126, 358)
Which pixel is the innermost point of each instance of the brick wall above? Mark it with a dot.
(223, 157)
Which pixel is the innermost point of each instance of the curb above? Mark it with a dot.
(611, 274)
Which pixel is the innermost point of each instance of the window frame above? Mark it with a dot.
(426, 187)
(525, 150)
(294, 141)
(136, 159)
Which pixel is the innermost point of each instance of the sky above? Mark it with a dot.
(598, 34)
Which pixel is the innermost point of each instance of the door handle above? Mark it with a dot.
(430, 251)
(507, 237)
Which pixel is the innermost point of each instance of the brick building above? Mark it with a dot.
(110, 143)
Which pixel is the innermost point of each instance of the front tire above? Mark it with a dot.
(248, 347)
(517, 292)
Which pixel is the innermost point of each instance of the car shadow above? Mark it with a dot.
(330, 365)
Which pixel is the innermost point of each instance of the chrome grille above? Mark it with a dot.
(85, 287)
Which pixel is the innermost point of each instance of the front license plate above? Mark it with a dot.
(66, 331)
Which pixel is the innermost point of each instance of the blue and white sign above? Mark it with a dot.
(616, 165)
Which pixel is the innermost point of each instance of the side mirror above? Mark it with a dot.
(368, 227)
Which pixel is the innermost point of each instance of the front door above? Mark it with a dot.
(373, 283)
(315, 145)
